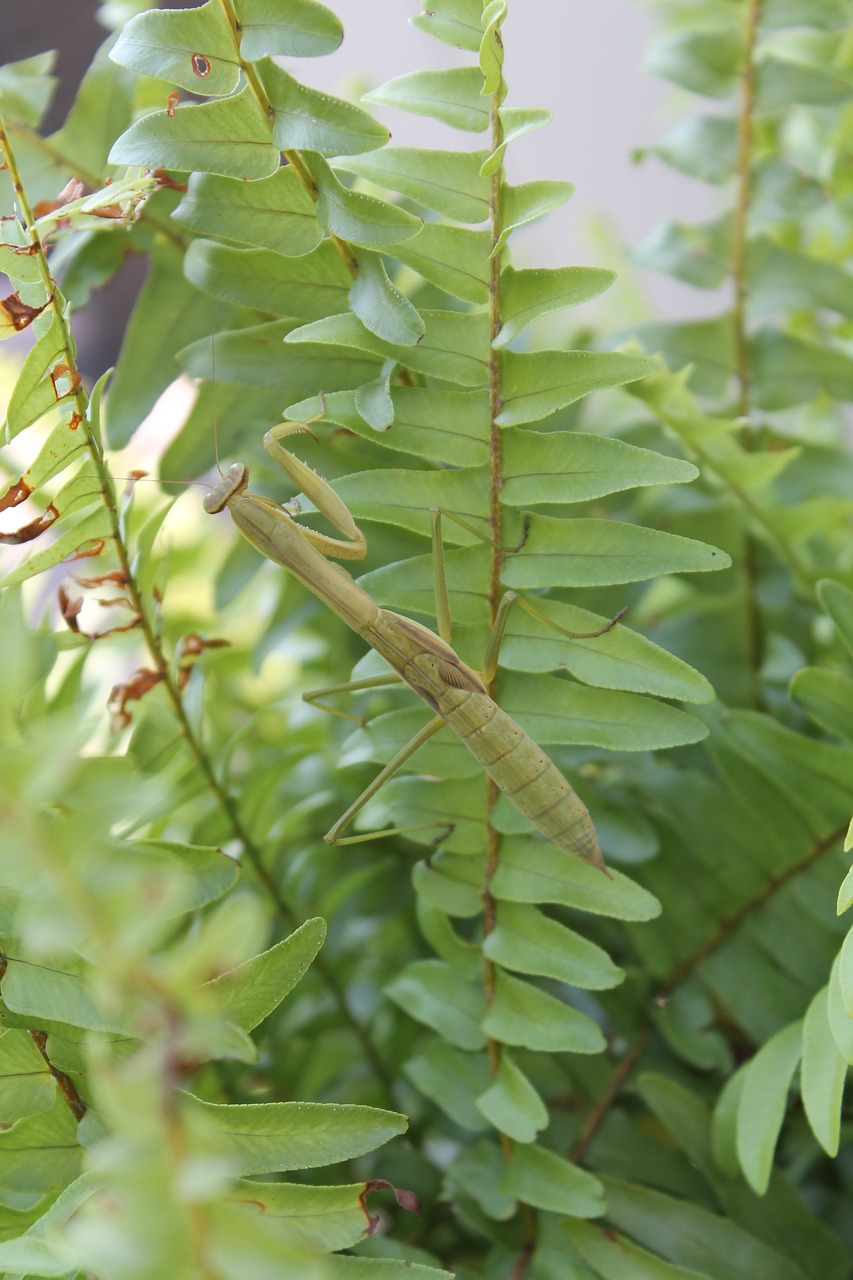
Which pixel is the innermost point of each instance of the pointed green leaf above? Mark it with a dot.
(522, 1014)
(824, 1073)
(303, 288)
(449, 426)
(545, 1180)
(789, 371)
(273, 213)
(536, 383)
(512, 1104)
(837, 600)
(528, 941)
(40, 1154)
(516, 121)
(256, 356)
(452, 1080)
(840, 1022)
(527, 295)
(273, 1137)
(299, 29)
(322, 1218)
(446, 182)
(454, 259)
(26, 87)
(409, 585)
(452, 96)
(529, 202)
(763, 1103)
(405, 497)
(355, 217)
(45, 994)
(619, 659)
(380, 307)
(210, 873)
(533, 871)
(92, 529)
(569, 466)
(616, 1257)
(229, 136)
(374, 404)
(706, 62)
(585, 553)
(34, 393)
(307, 120)
(26, 1085)
(454, 346)
(430, 992)
(447, 892)
(247, 994)
(556, 712)
(453, 22)
(827, 696)
(345, 1267)
(192, 48)
(699, 255)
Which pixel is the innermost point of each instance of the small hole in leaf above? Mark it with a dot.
(200, 64)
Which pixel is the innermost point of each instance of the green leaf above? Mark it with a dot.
(512, 1104)
(527, 295)
(210, 873)
(343, 1267)
(619, 659)
(456, 895)
(516, 121)
(536, 383)
(17, 259)
(706, 62)
(703, 147)
(452, 1080)
(446, 182)
(89, 531)
(301, 29)
(763, 1103)
(837, 600)
(256, 356)
(229, 136)
(273, 213)
(453, 22)
(454, 259)
(788, 371)
(273, 1137)
(44, 994)
(192, 48)
(169, 313)
(840, 1022)
(449, 426)
(26, 88)
(545, 1180)
(39, 1154)
(586, 553)
(528, 941)
(785, 280)
(522, 1014)
(380, 307)
(247, 994)
(533, 871)
(430, 992)
(355, 217)
(452, 96)
(824, 1073)
(303, 288)
(569, 466)
(323, 1218)
(699, 255)
(556, 712)
(615, 1257)
(26, 1085)
(454, 346)
(34, 393)
(306, 120)
(827, 696)
(529, 202)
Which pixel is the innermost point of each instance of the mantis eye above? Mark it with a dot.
(230, 486)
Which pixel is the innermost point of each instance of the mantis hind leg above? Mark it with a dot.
(333, 835)
(496, 635)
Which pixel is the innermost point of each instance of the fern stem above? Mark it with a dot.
(754, 627)
(152, 642)
(293, 158)
(684, 970)
(741, 209)
(64, 1083)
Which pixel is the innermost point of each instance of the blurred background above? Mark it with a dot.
(595, 56)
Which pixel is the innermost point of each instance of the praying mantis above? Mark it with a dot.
(418, 657)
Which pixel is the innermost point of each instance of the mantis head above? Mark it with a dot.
(230, 486)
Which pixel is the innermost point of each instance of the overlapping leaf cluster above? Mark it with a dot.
(402, 323)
